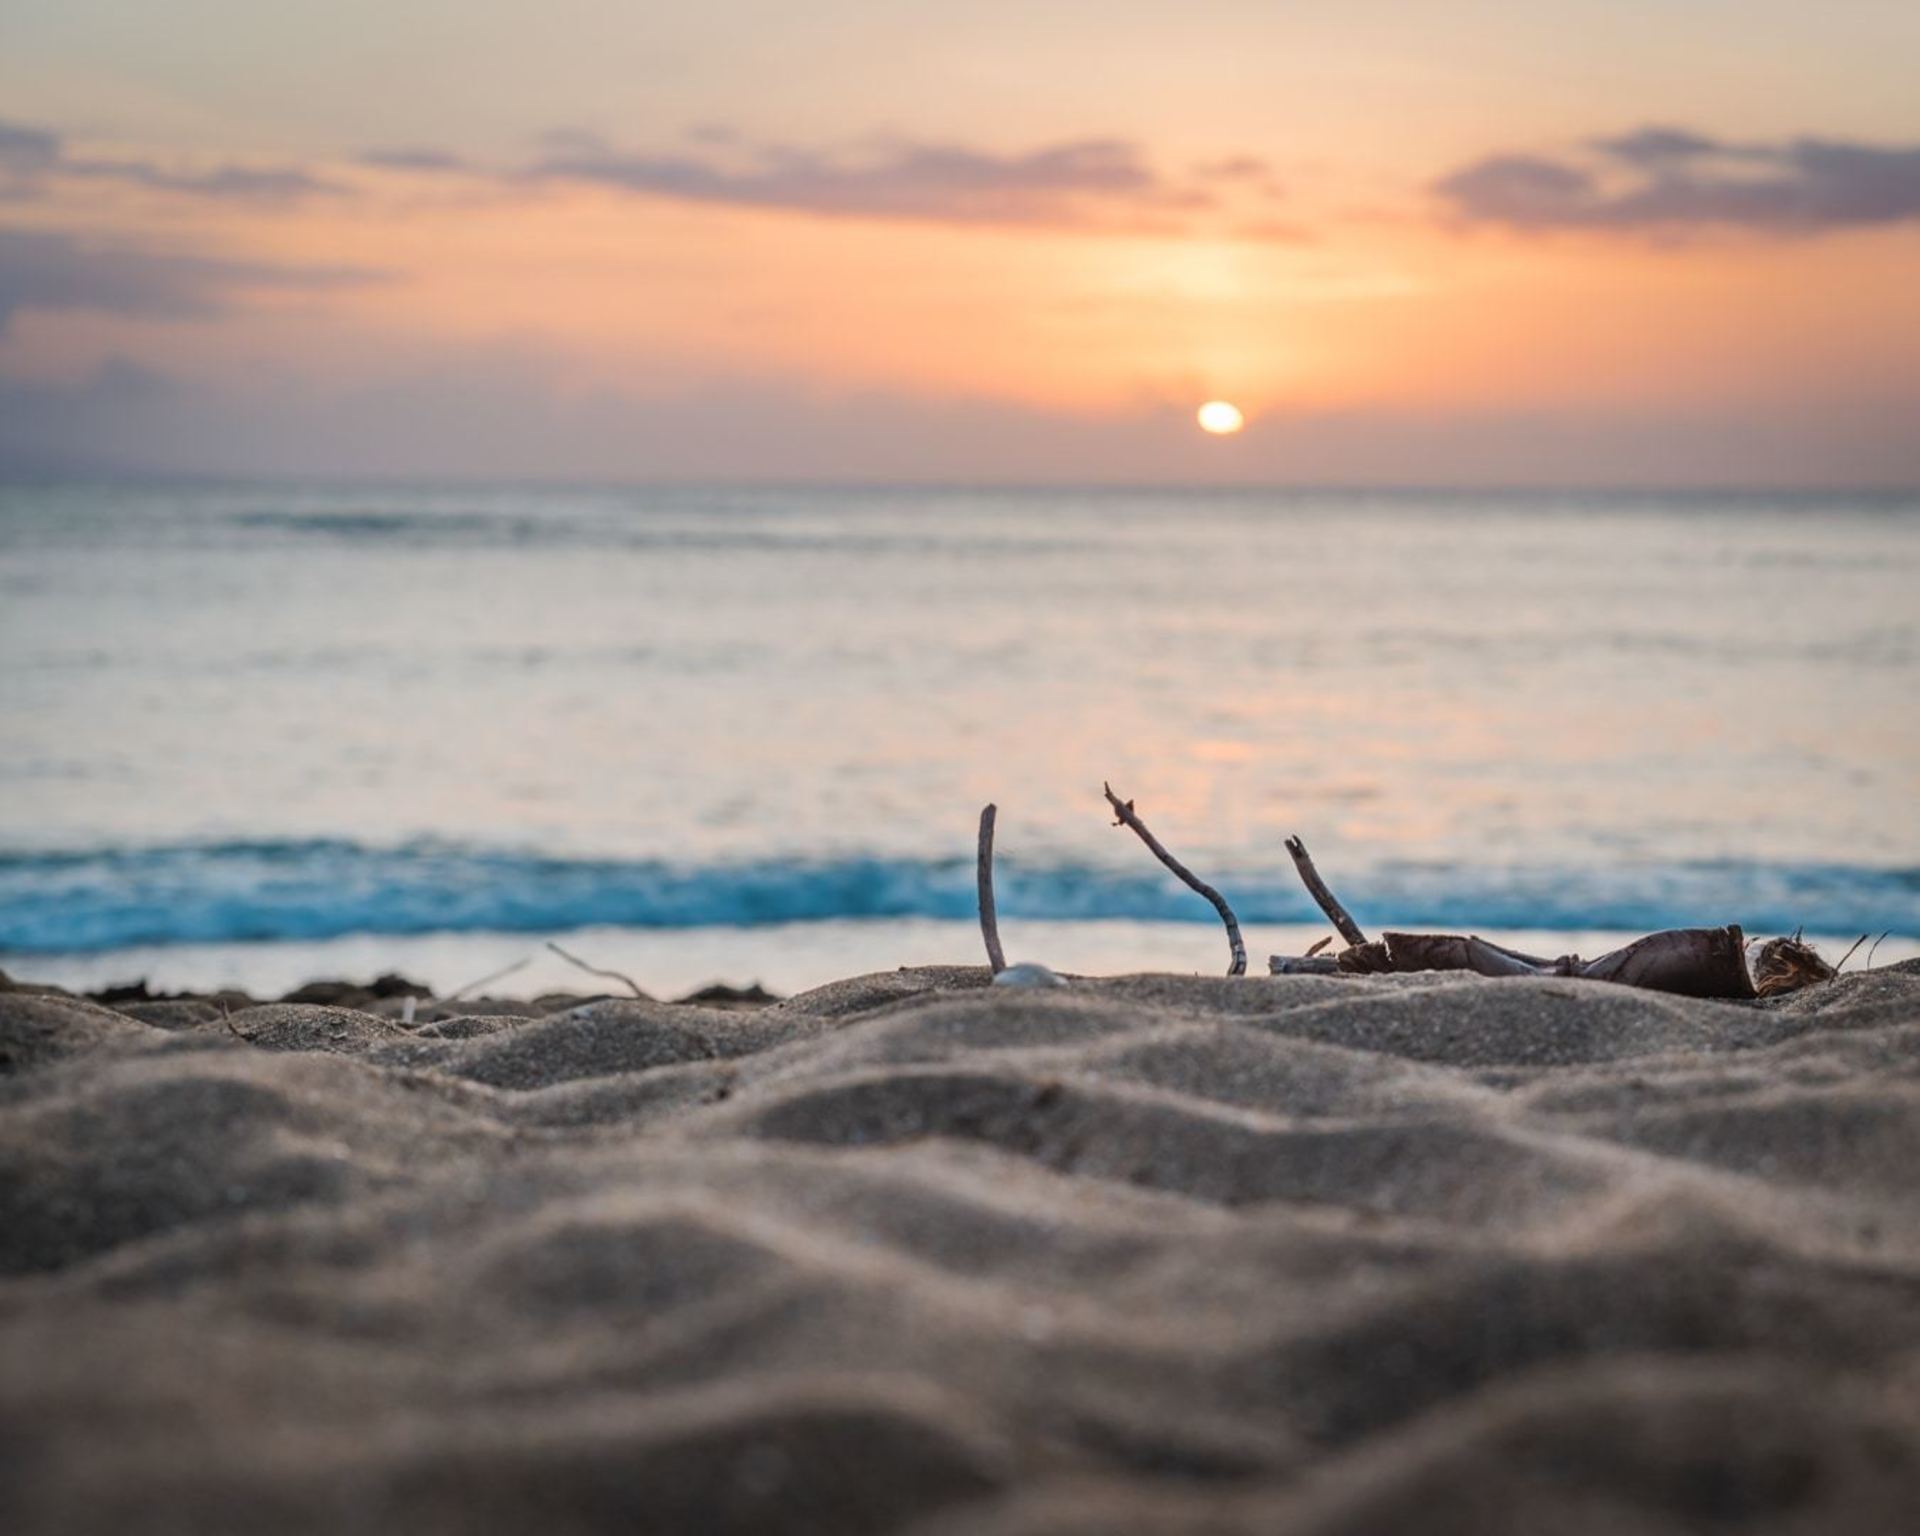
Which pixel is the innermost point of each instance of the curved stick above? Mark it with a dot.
(989, 923)
(594, 970)
(1323, 898)
(1123, 811)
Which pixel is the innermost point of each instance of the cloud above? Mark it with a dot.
(30, 157)
(1081, 182)
(246, 183)
(25, 150)
(1656, 145)
(429, 160)
(1235, 168)
(49, 271)
(26, 156)
(1095, 184)
(1660, 178)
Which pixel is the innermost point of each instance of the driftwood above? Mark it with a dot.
(1693, 962)
(1125, 817)
(1328, 903)
(989, 920)
(1303, 965)
(1696, 962)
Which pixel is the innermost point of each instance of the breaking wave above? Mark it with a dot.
(80, 901)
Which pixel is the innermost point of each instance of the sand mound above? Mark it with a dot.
(36, 1030)
(1153, 1254)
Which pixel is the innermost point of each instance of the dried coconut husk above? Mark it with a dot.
(1786, 965)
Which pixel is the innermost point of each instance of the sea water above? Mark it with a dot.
(250, 732)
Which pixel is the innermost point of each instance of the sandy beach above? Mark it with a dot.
(564, 567)
(909, 1253)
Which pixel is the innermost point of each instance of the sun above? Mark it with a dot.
(1220, 418)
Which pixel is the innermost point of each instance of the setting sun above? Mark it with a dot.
(1220, 418)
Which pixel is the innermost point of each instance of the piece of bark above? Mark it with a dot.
(1369, 959)
(1697, 962)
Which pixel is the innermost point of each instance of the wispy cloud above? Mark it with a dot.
(1093, 184)
(26, 151)
(1078, 183)
(248, 183)
(1660, 178)
(32, 158)
(40, 270)
(413, 159)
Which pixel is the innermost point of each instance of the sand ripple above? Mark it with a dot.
(1154, 1254)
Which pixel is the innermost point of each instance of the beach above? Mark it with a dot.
(568, 574)
(911, 1253)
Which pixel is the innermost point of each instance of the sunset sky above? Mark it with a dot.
(1579, 241)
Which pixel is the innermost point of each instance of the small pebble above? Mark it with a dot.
(1027, 974)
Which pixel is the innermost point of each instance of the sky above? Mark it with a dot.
(1578, 242)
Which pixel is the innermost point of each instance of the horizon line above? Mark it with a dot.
(417, 480)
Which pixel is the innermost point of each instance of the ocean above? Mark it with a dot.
(251, 733)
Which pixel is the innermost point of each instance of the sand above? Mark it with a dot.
(1149, 1254)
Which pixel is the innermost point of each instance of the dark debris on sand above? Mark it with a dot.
(1152, 1254)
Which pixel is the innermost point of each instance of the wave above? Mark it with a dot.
(81, 901)
(755, 532)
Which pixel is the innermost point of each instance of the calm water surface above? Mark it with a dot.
(244, 714)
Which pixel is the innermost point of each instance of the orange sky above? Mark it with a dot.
(1414, 242)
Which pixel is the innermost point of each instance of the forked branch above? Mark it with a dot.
(1125, 817)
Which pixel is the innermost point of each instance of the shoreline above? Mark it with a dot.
(784, 958)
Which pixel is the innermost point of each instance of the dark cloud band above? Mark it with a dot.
(1063, 184)
(32, 157)
(1663, 179)
(43, 270)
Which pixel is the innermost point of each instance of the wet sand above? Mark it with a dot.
(1149, 1254)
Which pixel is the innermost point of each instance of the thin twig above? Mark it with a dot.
(594, 970)
(989, 921)
(486, 981)
(1316, 947)
(1324, 898)
(1123, 812)
(1849, 954)
(1867, 964)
